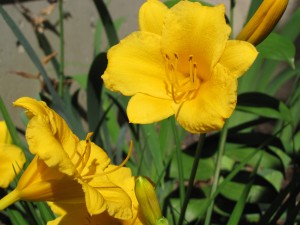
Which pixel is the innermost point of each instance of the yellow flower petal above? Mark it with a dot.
(95, 202)
(214, 103)
(136, 65)
(56, 142)
(97, 160)
(147, 109)
(76, 214)
(12, 160)
(34, 107)
(237, 57)
(12, 157)
(42, 183)
(193, 30)
(5, 137)
(51, 147)
(149, 10)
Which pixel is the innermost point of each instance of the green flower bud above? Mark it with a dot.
(162, 221)
(148, 202)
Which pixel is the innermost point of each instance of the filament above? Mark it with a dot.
(114, 169)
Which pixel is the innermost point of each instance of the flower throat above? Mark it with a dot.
(184, 86)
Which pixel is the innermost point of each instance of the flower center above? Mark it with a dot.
(181, 86)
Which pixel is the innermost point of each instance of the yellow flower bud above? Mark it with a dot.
(263, 21)
(148, 202)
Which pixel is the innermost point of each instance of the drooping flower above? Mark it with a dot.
(66, 170)
(12, 157)
(181, 63)
(263, 21)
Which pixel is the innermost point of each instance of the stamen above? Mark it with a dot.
(84, 157)
(114, 169)
(181, 87)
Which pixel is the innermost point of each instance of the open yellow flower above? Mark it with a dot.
(67, 170)
(182, 63)
(12, 157)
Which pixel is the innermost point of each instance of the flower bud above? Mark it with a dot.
(264, 20)
(148, 202)
(162, 221)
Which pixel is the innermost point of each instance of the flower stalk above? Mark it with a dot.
(220, 154)
(192, 177)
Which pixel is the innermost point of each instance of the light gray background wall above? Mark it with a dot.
(79, 35)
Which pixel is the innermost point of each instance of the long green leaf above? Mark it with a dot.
(284, 50)
(107, 22)
(264, 105)
(45, 211)
(283, 77)
(16, 217)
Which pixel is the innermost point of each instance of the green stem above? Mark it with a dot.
(192, 178)
(220, 153)
(62, 49)
(179, 162)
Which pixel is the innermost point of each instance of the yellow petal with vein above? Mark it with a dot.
(95, 202)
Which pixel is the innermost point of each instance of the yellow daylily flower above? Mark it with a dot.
(67, 170)
(263, 21)
(12, 157)
(180, 64)
(77, 213)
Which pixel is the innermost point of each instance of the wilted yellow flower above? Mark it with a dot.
(12, 158)
(182, 63)
(263, 21)
(67, 170)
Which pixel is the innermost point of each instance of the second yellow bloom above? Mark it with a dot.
(181, 63)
